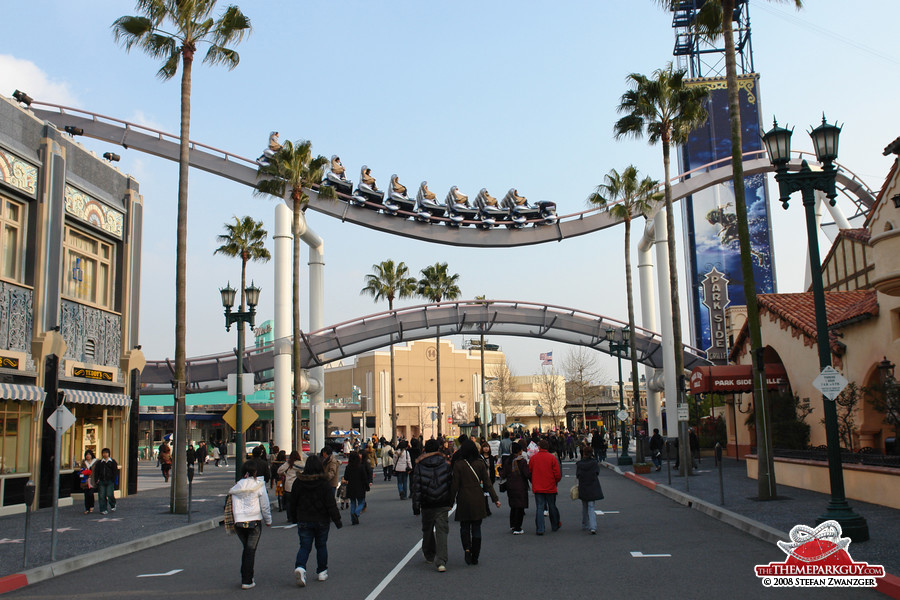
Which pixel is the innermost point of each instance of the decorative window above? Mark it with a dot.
(12, 238)
(89, 273)
(15, 435)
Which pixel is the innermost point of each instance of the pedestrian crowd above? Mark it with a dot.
(440, 476)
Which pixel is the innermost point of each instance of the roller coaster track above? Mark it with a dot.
(243, 170)
(372, 332)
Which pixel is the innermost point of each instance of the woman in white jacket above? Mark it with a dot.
(250, 505)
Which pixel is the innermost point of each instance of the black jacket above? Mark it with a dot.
(432, 478)
(656, 444)
(313, 500)
(587, 471)
(105, 471)
(357, 479)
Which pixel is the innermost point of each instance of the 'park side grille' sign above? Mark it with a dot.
(715, 298)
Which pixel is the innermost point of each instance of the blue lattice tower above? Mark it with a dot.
(701, 58)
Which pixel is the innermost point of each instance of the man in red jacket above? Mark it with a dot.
(545, 474)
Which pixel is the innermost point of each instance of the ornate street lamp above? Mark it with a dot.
(825, 138)
(539, 412)
(618, 341)
(251, 293)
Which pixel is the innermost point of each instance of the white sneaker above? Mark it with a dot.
(518, 531)
(248, 586)
(441, 569)
(323, 576)
(300, 576)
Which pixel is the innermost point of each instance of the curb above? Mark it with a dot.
(61, 567)
(888, 585)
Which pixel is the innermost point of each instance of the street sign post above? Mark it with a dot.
(830, 382)
(249, 417)
(683, 412)
(622, 414)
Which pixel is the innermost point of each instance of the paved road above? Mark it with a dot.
(708, 559)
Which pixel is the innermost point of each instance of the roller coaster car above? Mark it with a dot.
(426, 204)
(520, 212)
(548, 212)
(489, 210)
(458, 207)
(335, 178)
(398, 195)
(368, 195)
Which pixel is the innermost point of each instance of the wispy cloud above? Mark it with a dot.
(21, 74)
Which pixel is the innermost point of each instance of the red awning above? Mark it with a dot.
(733, 378)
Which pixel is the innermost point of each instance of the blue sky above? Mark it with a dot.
(473, 94)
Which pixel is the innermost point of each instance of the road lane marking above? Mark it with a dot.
(11, 541)
(172, 572)
(606, 512)
(642, 555)
(399, 567)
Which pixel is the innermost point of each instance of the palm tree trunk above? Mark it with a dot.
(178, 489)
(765, 464)
(684, 463)
(295, 300)
(438, 376)
(393, 393)
(629, 292)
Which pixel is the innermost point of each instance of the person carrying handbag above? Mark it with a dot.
(587, 471)
(514, 470)
(402, 468)
(470, 481)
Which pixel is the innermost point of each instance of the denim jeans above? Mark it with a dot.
(106, 494)
(250, 539)
(548, 501)
(309, 533)
(357, 506)
(435, 527)
(588, 517)
(402, 483)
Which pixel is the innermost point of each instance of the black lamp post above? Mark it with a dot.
(618, 341)
(825, 139)
(539, 412)
(240, 317)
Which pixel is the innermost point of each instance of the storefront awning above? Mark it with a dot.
(15, 391)
(731, 379)
(96, 398)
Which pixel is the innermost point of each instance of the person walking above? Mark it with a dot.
(402, 467)
(545, 474)
(165, 460)
(490, 461)
(87, 480)
(656, 447)
(356, 477)
(371, 460)
(332, 467)
(262, 463)
(215, 453)
(276, 479)
(289, 470)
(387, 460)
(223, 453)
(105, 473)
(587, 471)
(202, 453)
(314, 511)
(250, 507)
(505, 444)
(431, 483)
(694, 445)
(514, 469)
(470, 481)
(191, 456)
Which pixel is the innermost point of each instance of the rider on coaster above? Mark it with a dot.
(519, 200)
(460, 198)
(488, 199)
(368, 180)
(397, 187)
(336, 167)
(272, 148)
(426, 193)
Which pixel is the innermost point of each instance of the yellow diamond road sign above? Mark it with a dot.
(249, 415)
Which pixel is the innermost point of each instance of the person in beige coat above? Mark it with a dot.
(290, 470)
(471, 481)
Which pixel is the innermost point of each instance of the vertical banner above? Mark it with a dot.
(710, 221)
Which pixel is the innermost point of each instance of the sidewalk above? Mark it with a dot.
(144, 515)
(793, 506)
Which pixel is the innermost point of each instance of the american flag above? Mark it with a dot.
(546, 358)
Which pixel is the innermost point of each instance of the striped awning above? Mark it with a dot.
(15, 391)
(97, 398)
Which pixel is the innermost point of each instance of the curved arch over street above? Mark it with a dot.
(372, 332)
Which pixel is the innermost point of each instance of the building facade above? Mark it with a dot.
(70, 248)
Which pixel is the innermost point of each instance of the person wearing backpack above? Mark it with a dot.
(432, 480)
(402, 467)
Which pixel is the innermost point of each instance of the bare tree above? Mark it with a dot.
(580, 366)
(552, 389)
(503, 395)
(846, 404)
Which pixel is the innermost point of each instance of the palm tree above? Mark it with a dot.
(437, 284)
(712, 20)
(390, 281)
(244, 238)
(289, 171)
(668, 110)
(625, 196)
(171, 30)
